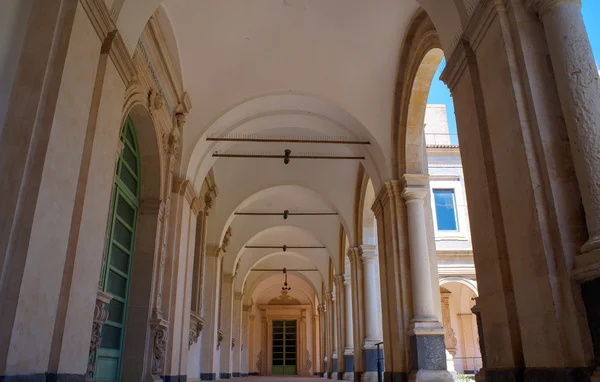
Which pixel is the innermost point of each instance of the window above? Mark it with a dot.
(445, 210)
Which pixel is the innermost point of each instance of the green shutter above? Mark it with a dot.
(119, 252)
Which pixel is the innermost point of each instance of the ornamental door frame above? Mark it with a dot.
(272, 313)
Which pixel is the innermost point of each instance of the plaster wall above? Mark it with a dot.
(96, 201)
(13, 25)
(36, 313)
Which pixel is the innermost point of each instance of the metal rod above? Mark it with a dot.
(279, 270)
(288, 247)
(289, 214)
(288, 140)
(278, 156)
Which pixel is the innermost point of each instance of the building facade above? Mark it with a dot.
(204, 190)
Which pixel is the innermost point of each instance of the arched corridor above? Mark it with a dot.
(259, 190)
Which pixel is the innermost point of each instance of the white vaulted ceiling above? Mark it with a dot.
(302, 68)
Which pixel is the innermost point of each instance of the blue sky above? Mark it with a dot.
(440, 94)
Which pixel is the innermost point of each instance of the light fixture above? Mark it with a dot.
(286, 158)
(286, 213)
(285, 286)
(284, 248)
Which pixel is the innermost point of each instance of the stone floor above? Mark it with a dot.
(277, 378)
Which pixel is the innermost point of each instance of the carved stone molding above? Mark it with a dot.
(196, 326)
(208, 198)
(100, 317)
(449, 336)
(161, 335)
(226, 239)
(308, 364)
(156, 100)
(220, 336)
(259, 362)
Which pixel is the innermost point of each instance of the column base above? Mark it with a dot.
(368, 376)
(587, 266)
(174, 378)
(395, 376)
(225, 375)
(334, 375)
(348, 376)
(208, 376)
(43, 377)
(539, 374)
(236, 375)
(431, 376)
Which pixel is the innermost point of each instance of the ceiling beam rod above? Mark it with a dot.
(289, 140)
(286, 246)
(289, 214)
(278, 156)
(279, 270)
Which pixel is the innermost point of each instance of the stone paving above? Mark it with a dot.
(281, 378)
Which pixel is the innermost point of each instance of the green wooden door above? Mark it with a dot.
(284, 348)
(120, 246)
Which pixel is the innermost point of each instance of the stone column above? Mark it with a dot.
(184, 209)
(373, 333)
(245, 344)
(578, 84)
(316, 355)
(367, 259)
(323, 343)
(226, 326)
(334, 336)
(426, 332)
(236, 336)
(348, 325)
(251, 339)
(209, 362)
(394, 278)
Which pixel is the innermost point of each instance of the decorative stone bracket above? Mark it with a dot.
(100, 317)
(220, 336)
(196, 326)
(161, 334)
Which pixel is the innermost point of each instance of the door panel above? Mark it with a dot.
(118, 259)
(284, 347)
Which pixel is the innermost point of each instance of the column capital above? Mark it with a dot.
(368, 250)
(415, 187)
(542, 6)
(228, 278)
(238, 295)
(214, 251)
(347, 279)
(354, 253)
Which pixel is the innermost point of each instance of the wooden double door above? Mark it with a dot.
(285, 348)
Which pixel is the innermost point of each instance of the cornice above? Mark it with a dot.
(113, 43)
(480, 21)
(164, 55)
(481, 18)
(455, 65)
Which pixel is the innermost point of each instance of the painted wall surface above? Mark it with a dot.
(13, 25)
